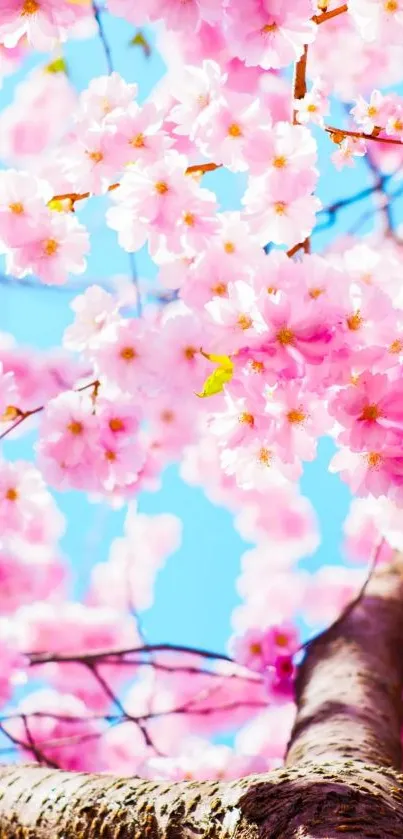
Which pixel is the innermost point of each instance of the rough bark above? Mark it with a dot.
(341, 776)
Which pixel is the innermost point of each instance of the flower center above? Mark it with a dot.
(264, 456)
(128, 353)
(396, 346)
(17, 208)
(245, 321)
(116, 424)
(12, 494)
(234, 130)
(247, 419)
(315, 293)
(372, 111)
(229, 247)
(189, 353)
(203, 100)
(268, 27)
(280, 162)
(75, 427)
(220, 289)
(391, 6)
(257, 366)
(285, 336)
(355, 321)
(50, 247)
(167, 416)
(281, 639)
(137, 142)
(96, 156)
(296, 416)
(29, 7)
(374, 459)
(370, 413)
(189, 219)
(280, 208)
(255, 648)
(110, 455)
(311, 108)
(161, 187)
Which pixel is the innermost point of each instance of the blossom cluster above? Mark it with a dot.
(260, 349)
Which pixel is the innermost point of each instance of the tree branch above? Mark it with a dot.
(329, 15)
(341, 775)
(350, 685)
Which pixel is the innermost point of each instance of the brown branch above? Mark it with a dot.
(339, 134)
(299, 91)
(299, 81)
(24, 415)
(329, 15)
(73, 197)
(110, 655)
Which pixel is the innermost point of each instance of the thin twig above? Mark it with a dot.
(340, 133)
(103, 38)
(73, 197)
(328, 15)
(45, 658)
(24, 415)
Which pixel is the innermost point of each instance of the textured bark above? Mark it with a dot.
(341, 776)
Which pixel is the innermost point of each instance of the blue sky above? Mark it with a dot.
(195, 592)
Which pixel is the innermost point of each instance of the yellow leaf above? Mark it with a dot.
(223, 374)
(59, 65)
(222, 360)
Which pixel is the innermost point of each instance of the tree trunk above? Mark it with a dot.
(342, 773)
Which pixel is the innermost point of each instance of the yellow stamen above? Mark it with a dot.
(16, 207)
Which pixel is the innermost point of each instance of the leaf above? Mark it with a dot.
(139, 40)
(223, 374)
(59, 65)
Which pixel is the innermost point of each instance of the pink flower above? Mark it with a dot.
(300, 419)
(314, 105)
(103, 96)
(23, 200)
(148, 202)
(237, 318)
(44, 22)
(195, 90)
(298, 331)
(349, 148)
(23, 496)
(59, 248)
(279, 679)
(269, 32)
(372, 114)
(138, 136)
(282, 147)
(376, 472)
(94, 310)
(125, 357)
(90, 158)
(368, 410)
(252, 650)
(279, 206)
(224, 129)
